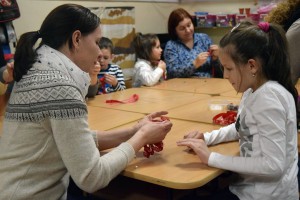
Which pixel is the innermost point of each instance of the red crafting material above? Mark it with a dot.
(225, 118)
(132, 99)
(149, 149)
(102, 81)
(213, 67)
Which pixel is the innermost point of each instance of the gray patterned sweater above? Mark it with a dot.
(46, 136)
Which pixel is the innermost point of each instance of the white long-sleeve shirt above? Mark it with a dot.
(145, 74)
(267, 132)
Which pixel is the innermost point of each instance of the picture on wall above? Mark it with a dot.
(118, 24)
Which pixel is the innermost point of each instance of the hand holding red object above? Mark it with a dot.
(149, 149)
(225, 118)
(102, 82)
(132, 99)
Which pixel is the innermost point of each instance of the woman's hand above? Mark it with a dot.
(8, 72)
(148, 119)
(200, 59)
(154, 132)
(214, 52)
(150, 133)
(198, 146)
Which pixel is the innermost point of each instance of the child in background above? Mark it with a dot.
(255, 60)
(111, 76)
(149, 69)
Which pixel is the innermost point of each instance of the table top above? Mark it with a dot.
(231, 93)
(149, 100)
(203, 110)
(176, 167)
(210, 86)
(105, 119)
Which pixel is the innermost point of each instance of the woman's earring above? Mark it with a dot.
(253, 75)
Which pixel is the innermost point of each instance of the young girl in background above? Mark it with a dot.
(256, 62)
(149, 69)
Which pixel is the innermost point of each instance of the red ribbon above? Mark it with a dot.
(225, 118)
(102, 82)
(132, 99)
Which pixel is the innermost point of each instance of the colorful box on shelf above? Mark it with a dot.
(205, 19)
(226, 20)
(201, 18)
(240, 17)
(222, 20)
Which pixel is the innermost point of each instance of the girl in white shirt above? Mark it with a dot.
(149, 69)
(255, 60)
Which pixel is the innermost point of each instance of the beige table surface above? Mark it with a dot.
(203, 110)
(105, 119)
(176, 167)
(149, 100)
(210, 86)
(231, 93)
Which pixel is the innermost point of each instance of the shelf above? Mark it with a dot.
(213, 27)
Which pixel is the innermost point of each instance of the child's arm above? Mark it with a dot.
(147, 75)
(116, 78)
(94, 84)
(93, 89)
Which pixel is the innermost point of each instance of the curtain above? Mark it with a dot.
(118, 24)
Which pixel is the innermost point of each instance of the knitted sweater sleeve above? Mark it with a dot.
(78, 150)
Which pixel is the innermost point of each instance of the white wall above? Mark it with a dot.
(150, 17)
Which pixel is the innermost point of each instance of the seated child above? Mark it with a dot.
(110, 77)
(149, 69)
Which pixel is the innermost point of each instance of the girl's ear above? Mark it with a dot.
(112, 56)
(254, 66)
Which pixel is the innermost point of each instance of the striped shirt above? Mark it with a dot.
(116, 71)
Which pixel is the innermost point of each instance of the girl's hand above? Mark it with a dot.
(214, 52)
(162, 65)
(111, 79)
(194, 134)
(198, 146)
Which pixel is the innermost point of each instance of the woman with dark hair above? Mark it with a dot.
(189, 54)
(46, 136)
